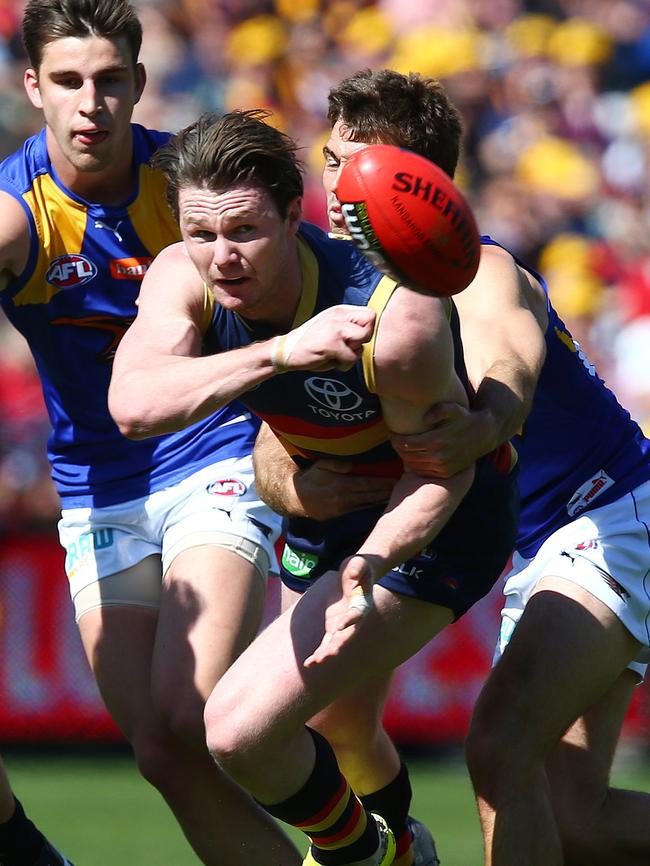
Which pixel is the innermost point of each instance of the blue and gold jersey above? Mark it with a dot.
(73, 303)
(579, 448)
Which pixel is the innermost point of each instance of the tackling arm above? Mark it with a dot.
(321, 491)
(503, 320)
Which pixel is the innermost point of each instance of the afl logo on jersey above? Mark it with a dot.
(227, 487)
(66, 272)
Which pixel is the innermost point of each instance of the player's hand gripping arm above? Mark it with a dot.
(321, 491)
(414, 369)
(161, 382)
(503, 320)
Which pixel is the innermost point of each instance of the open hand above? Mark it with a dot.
(344, 617)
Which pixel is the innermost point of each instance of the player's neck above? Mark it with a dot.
(293, 287)
(112, 185)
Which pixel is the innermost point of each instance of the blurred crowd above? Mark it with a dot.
(555, 97)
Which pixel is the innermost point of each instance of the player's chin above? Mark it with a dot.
(232, 293)
(90, 162)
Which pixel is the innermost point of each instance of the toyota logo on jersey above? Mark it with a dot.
(332, 394)
(227, 487)
(66, 272)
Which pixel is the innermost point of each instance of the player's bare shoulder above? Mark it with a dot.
(413, 346)
(14, 238)
(171, 275)
(501, 283)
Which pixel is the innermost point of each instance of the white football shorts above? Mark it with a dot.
(607, 552)
(216, 505)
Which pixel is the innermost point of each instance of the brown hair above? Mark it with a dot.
(387, 107)
(219, 151)
(45, 21)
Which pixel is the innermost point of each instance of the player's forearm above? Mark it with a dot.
(156, 398)
(416, 513)
(274, 475)
(503, 401)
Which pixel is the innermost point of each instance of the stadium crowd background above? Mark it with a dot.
(555, 96)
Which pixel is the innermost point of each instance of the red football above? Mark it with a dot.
(409, 218)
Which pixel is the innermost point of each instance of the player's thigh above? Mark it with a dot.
(356, 715)
(579, 766)
(567, 650)
(270, 681)
(118, 636)
(217, 551)
(211, 607)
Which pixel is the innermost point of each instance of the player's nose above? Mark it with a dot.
(89, 99)
(224, 252)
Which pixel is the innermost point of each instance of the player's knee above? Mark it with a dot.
(492, 757)
(157, 758)
(182, 715)
(228, 734)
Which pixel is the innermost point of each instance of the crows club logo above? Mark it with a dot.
(332, 394)
(66, 272)
(227, 487)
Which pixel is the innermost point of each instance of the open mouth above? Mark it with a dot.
(90, 137)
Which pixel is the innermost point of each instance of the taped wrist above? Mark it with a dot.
(283, 346)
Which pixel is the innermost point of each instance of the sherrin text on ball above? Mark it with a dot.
(409, 218)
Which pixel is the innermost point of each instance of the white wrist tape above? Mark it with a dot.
(361, 601)
(283, 346)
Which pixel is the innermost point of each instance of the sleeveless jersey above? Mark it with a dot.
(579, 448)
(338, 415)
(73, 304)
(333, 414)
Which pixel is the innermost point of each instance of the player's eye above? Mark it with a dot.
(202, 235)
(69, 83)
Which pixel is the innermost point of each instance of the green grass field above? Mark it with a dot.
(101, 813)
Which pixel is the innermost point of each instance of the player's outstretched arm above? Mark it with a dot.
(414, 367)
(503, 320)
(161, 382)
(321, 491)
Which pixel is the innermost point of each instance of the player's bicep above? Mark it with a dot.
(502, 318)
(169, 312)
(414, 360)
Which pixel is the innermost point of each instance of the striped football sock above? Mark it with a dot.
(328, 811)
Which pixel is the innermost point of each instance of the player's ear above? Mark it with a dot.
(30, 81)
(140, 80)
(294, 215)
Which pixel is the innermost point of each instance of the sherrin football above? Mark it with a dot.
(407, 216)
